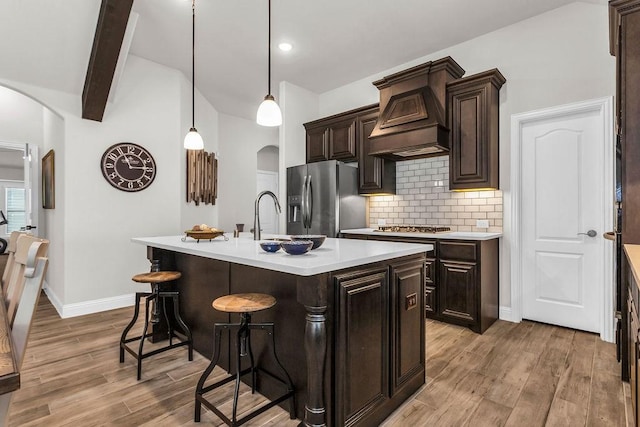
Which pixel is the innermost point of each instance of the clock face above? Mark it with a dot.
(128, 166)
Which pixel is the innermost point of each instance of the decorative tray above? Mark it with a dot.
(207, 235)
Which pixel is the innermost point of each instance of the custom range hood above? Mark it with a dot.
(412, 121)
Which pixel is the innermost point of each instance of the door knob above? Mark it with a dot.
(590, 233)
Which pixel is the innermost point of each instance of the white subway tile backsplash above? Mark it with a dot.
(423, 198)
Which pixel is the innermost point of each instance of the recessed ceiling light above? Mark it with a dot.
(285, 47)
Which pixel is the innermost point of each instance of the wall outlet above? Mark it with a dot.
(382, 222)
(482, 223)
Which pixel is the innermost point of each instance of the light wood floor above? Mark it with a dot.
(525, 374)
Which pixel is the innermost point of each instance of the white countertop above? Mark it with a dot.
(454, 235)
(334, 254)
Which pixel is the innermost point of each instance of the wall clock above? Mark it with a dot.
(128, 166)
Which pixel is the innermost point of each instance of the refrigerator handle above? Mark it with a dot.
(303, 202)
(309, 202)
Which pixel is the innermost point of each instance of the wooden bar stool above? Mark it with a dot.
(245, 305)
(157, 279)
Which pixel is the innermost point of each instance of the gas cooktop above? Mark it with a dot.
(414, 229)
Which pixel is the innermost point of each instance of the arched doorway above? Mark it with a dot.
(267, 177)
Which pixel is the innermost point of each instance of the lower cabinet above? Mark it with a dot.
(468, 283)
(407, 323)
(430, 290)
(362, 328)
(461, 280)
(458, 300)
(633, 344)
(379, 328)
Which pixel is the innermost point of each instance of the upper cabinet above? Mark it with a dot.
(333, 138)
(345, 137)
(473, 121)
(375, 174)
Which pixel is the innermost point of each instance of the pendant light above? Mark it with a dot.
(193, 140)
(269, 112)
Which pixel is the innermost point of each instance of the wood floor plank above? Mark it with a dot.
(523, 374)
(606, 405)
(488, 414)
(413, 414)
(564, 413)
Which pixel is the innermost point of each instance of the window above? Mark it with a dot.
(16, 209)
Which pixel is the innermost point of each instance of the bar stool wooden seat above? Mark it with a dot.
(245, 305)
(157, 280)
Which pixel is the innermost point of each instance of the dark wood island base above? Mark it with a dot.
(352, 340)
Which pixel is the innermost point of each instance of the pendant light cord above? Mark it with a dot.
(193, 63)
(269, 50)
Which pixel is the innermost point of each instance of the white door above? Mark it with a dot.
(267, 180)
(562, 199)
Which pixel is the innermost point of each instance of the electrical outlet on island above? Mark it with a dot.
(482, 223)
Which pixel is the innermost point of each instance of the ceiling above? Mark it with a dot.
(47, 43)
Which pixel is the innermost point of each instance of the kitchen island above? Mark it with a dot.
(349, 317)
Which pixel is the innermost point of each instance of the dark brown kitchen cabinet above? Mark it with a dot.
(317, 144)
(430, 291)
(634, 354)
(624, 43)
(473, 120)
(632, 338)
(379, 328)
(458, 291)
(333, 138)
(345, 137)
(407, 322)
(375, 174)
(468, 283)
(362, 328)
(461, 280)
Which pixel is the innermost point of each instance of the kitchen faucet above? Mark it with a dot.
(256, 216)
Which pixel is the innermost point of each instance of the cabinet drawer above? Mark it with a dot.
(430, 272)
(461, 251)
(430, 299)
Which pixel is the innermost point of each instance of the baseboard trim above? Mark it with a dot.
(507, 314)
(89, 307)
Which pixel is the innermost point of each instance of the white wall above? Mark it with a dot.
(240, 141)
(268, 159)
(555, 58)
(298, 106)
(20, 118)
(52, 221)
(94, 221)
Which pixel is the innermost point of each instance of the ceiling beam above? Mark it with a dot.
(110, 30)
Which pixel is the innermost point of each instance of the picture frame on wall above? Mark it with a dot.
(48, 181)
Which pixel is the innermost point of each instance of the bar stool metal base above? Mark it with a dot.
(243, 348)
(184, 336)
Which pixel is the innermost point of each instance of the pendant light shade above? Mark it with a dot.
(269, 113)
(193, 140)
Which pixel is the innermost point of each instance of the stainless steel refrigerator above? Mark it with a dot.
(322, 198)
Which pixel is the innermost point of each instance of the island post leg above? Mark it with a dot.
(312, 293)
